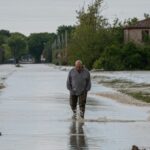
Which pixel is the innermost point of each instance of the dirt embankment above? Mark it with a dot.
(127, 91)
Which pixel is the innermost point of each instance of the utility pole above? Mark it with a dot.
(66, 45)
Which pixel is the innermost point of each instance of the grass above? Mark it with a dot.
(141, 96)
(122, 85)
(138, 95)
(138, 91)
(116, 81)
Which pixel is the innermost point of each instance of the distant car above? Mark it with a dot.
(10, 61)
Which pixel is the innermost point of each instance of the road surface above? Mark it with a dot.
(35, 115)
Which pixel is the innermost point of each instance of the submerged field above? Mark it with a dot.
(135, 85)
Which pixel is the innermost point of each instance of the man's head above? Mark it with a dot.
(78, 65)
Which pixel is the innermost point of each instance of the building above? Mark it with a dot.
(138, 33)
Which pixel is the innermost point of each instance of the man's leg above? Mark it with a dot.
(73, 104)
(82, 102)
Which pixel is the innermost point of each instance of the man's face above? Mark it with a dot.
(78, 67)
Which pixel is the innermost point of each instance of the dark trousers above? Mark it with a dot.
(74, 99)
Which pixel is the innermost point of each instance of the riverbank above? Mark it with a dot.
(131, 87)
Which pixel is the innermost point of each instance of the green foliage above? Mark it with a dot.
(36, 42)
(4, 35)
(128, 57)
(146, 56)
(62, 29)
(47, 52)
(131, 56)
(131, 21)
(110, 59)
(7, 52)
(18, 45)
(117, 32)
(90, 36)
(2, 39)
(60, 44)
(64, 34)
(146, 16)
(98, 64)
(93, 40)
(101, 45)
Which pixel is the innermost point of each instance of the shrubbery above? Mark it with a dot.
(128, 57)
(100, 45)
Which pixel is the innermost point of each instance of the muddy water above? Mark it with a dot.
(35, 115)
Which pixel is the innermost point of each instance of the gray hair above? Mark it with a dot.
(78, 61)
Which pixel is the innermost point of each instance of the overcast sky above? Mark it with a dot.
(28, 16)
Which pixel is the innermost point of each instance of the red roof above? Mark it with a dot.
(143, 24)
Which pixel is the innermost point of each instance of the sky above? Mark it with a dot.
(29, 16)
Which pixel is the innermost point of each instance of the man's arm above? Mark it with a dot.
(88, 83)
(69, 86)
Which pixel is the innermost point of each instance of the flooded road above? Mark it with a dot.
(35, 115)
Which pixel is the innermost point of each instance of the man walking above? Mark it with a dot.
(78, 83)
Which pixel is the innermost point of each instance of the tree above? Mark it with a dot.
(36, 42)
(47, 52)
(18, 45)
(62, 29)
(117, 32)
(110, 59)
(146, 16)
(88, 40)
(4, 35)
(7, 52)
(146, 55)
(131, 21)
(64, 34)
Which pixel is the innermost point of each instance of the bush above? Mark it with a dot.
(146, 56)
(135, 57)
(128, 57)
(110, 59)
(97, 64)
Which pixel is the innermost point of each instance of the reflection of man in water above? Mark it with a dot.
(78, 83)
(77, 138)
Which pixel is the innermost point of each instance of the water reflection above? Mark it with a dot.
(77, 136)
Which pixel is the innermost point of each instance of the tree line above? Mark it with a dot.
(101, 45)
(93, 39)
(16, 45)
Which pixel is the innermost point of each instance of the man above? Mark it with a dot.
(78, 83)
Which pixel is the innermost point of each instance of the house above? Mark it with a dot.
(1, 55)
(138, 33)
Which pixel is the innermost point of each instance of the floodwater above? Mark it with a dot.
(35, 115)
(134, 76)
